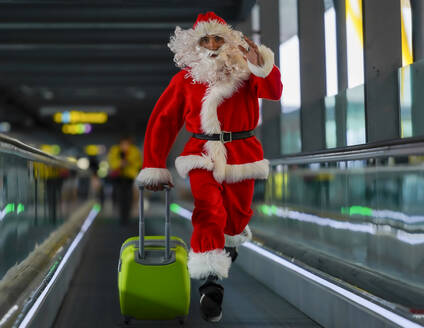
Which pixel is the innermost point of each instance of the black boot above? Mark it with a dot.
(233, 252)
(211, 296)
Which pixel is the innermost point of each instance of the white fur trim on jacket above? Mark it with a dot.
(237, 240)
(153, 176)
(216, 262)
(239, 172)
(185, 164)
(231, 173)
(218, 153)
(214, 96)
(268, 56)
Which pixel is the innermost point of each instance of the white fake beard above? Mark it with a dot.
(229, 64)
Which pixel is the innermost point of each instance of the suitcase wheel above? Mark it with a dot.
(127, 320)
(181, 320)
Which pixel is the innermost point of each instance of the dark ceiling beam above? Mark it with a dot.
(244, 8)
(85, 81)
(145, 3)
(103, 94)
(185, 11)
(85, 36)
(116, 102)
(45, 62)
(111, 52)
(106, 89)
(57, 53)
(86, 68)
(106, 101)
(92, 25)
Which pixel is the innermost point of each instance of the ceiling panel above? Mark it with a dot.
(94, 52)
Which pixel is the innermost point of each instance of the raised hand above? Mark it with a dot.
(252, 54)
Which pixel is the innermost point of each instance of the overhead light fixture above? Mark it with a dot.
(80, 117)
(83, 163)
(47, 94)
(76, 128)
(137, 93)
(27, 90)
(4, 127)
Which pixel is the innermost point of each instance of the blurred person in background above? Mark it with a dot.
(97, 184)
(124, 164)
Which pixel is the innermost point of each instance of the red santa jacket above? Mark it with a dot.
(226, 106)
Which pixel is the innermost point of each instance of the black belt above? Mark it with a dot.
(225, 136)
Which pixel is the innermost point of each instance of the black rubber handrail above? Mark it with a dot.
(396, 147)
(16, 147)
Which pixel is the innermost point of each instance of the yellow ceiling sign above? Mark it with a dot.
(76, 128)
(80, 117)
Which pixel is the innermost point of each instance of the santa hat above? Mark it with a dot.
(210, 15)
(210, 24)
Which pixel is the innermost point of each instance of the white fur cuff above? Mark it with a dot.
(237, 240)
(216, 262)
(184, 164)
(238, 172)
(268, 56)
(232, 174)
(153, 176)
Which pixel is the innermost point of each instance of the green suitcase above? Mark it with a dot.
(153, 279)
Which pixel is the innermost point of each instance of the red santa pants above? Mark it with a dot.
(218, 209)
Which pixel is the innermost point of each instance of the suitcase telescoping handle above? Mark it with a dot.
(141, 224)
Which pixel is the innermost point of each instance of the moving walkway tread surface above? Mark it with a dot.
(92, 299)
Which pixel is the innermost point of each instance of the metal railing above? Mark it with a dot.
(15, 147)
(398, 147)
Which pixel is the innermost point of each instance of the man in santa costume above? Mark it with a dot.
(216, 95)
